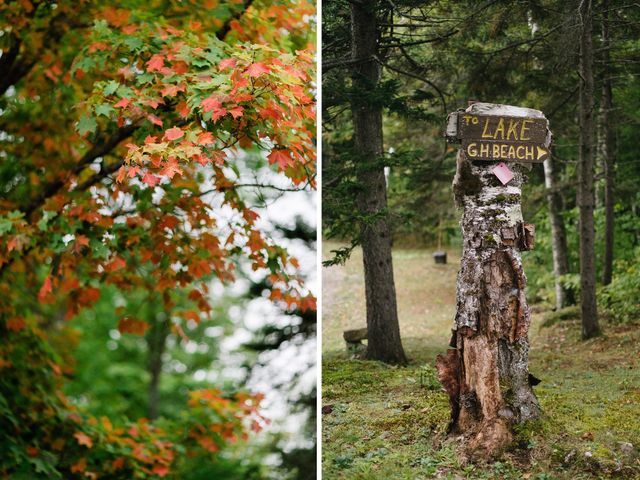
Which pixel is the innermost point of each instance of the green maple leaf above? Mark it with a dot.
(86, 124)
(111, 88)
(103, 109)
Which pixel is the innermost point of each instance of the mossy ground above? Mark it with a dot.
(385, 422)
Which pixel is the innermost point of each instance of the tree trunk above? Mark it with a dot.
(485, 371)
(588, 307)
(383, 341)
(156, 342)
(608, 148)
(564, 296)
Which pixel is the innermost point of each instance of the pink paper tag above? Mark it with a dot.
(503, 173)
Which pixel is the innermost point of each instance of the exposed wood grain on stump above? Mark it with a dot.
(485, 373)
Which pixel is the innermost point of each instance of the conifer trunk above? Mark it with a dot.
(588, 307)
(564, 296)
(383, 341)
(608, 148)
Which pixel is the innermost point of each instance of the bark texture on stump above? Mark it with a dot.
(383, 341)
(485, 371)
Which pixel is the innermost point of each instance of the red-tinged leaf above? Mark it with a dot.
(238, 84)
(114, 265)
(205, 138)
(201, 159)
(171, 168)
(161, 470)
(80, 466)
(183, 109)
(153, 103)
(83, 439)
(16, 324)
(216, 114)
(132, 326)
(150, 179)
(211, 103)
(155, 64)
(227, 63)
(133, 171)
(88, 296)
(219, 157)
(172, 90)
(117, 464)
(173, 133)
(149, 139)
(82, 240)
(17, 242)
(199, 268)
(45, 289)
(122, 172)
(257, 69)
(280, 157)
(155, 120)
(180, 67)
(123, 103)
(191, 315)
(236, 112)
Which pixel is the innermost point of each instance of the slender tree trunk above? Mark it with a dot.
(564, 296)
(156, 343)
(608, 148)
(485, 371)
(383, 341)
(588, 306)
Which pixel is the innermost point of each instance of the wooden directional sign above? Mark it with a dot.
(498, 137)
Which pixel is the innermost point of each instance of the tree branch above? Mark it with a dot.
(99, 150)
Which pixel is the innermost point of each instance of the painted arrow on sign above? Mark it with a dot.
(543, 153)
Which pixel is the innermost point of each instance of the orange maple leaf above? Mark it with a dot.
(83, 439)
(155, 64)
(133, 326)
(257, 69)
(45, 289)
(173, 133)
(281, 157)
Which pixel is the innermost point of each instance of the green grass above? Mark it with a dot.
(389, 422)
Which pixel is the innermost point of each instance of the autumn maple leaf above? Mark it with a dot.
(150, 179)
(83, 439)
(227, 63)
(257, 69)
(281, 157)
(205, 138)
(123, 103)
(171, 168)
(45, 289)
(155, 64)
(173, 133)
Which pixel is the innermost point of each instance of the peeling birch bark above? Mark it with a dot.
(485, 371)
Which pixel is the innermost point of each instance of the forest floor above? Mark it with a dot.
(389, 422)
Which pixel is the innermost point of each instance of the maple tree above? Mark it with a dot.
(124, 135)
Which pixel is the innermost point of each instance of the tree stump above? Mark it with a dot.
(485, 371)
